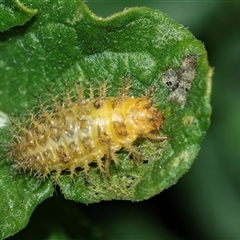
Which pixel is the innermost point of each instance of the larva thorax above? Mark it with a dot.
(124, 120)
(76, 133)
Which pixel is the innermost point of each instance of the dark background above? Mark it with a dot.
(205, 203)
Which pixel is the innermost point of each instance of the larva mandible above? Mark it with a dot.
(79, 131)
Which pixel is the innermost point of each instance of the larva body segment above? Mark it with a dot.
(76, 133)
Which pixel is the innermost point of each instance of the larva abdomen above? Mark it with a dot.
(76, 133)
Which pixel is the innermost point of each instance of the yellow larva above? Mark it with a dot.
(79, 131)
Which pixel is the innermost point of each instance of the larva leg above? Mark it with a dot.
(134, 153)
(110, 156)
(107, 165)
(108, 160)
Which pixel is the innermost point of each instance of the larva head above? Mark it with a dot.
(145, 117)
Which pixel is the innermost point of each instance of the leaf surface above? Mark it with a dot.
(65, 42)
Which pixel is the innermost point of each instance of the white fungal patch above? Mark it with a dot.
(180, 81)
(182, 156)
(170, 79)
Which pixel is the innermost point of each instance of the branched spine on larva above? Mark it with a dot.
(76, 133)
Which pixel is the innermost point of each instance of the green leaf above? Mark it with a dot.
(19, 196)
(65, 42)
(14, 13)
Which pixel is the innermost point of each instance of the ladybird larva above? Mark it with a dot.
(79, 131)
